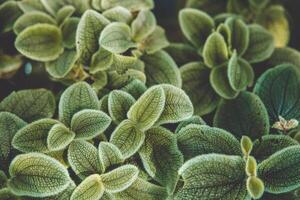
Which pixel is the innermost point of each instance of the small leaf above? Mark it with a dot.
(33, 137)
(80, 6)
(9, 65)
(41, 42)
(128, 138)
(194, 140)
(118, 14)
(109, 155)
(101, 61)
(246, 145)
(87, 124)
(69, 32)
(245, 115)
(89, 28)
(31, 5)
(271, 170)
(215, 50)
(90, 189)
(195, 25)
(9, 13)
(83, 158)
(37, 175)
(161, 157)
(156, 41)
(120, 178)
(52, 6)
(182, 53)
(6, 194)
(119, 102)
(143, 25)
(148, 108)
(116, 37)
(133, 6)
(30, 105)
(59, 137)
(64, 13)
(255, 187)
(75, 98)
(136, 88)
(195, 119)
(261, 45)
(251, 166)
(3, 179)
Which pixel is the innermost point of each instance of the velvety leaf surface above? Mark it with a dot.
(9, 13)
(69, 29)
(59, 137)
(101, 61)
(109, 155)
(129, 4)
(195, 119)
(64, 13)
(143, 25)
(156, 41)
(118, 14)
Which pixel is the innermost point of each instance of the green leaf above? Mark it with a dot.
(89, 28)
(183, 53)
(52, 6)
(136, 88)
(9, 65)
(142, 189)
(143, 25)
(9, 125)
(119, 102)
(69, 32)
(116, 37)
(41, 42)
(123, 64)
(128, 138)
(240, 73)
(30, 105)
(270, 144)
(80, 6)
(178, 105)
(31, 5)
(120, 178)
(220, 83)
(33, 137)
(195, 82)
(109, 155)
(261, 45)
(239, 35)
(213, 176)
(283, 56)
(75, 98)
(60, 67)
(64, 13)
(195, 25)
(161, 68)
(90, 189)
(6, 194)
(161, 157)
(278, 89)
(156, 41)
(59, 137)
(255, 187)
(215, 50)
(83, 158)
(101, 80)
(148, 108)
(87, 124)
(65, 194)
(194, 140)
(118, 14)
(280, 172)
(101, 61)
(37, 175)
(245, 115)
(9, 13)
(32, 18)
(195, 119)
(3, 179)
(132, 5)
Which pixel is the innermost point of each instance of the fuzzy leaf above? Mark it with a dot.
(143, 25)
(37, 175)
(161, 68)
(245, 115)
(161, 157)
(41, 42)
(3, 179)
(31, 5)
(213, 176)
(9, 13)
(195, 119)
(156, 41)
(90, 189)
(118, 14)
(132, 5)
(6, 194)
(69, 32)
(83, 158)
(195, 25)
(30, 105)
(136, 88)
(128, 138)
(148, 108)
(89, 28)
(119, 102)
(9, 65)
(52, 6)
(33, 137)
(261, 45)
(101, 61)
(120, 178)
(109, 155)
(75, 98)
(183, 53)
(116, 37)
(271, 170)
(64, 13)
(194, 140)
(59, 137)
(283, 56)
(87, 124)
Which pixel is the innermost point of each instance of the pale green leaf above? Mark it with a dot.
(101, 61)
(109, 155)
(156, 41)
(31, 5)
(52, 6)
(143, 25)
(195, 119)
(64, 13)
(100, 80)
(132, 5)
(69, 32)
(59, 137)
(118, 14)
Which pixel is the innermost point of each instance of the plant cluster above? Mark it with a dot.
(139, 117)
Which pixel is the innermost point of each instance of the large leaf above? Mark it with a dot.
(109, 155)
(161, 68)
(59, 137)
(195, 25)
(77, 97)
(30, 105)
(83, 158)
(161, 157)
(148, 108)
(41, 42)
(245, 115)
(88, 32)
(194, 140)
(128, 138)
(213, 176)
(280, 172)
(143, 25)
(37, 175)
(132, 5)
(279, 89)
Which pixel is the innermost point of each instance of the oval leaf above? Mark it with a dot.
(109, 155)
(59, 137)
(143, 25)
